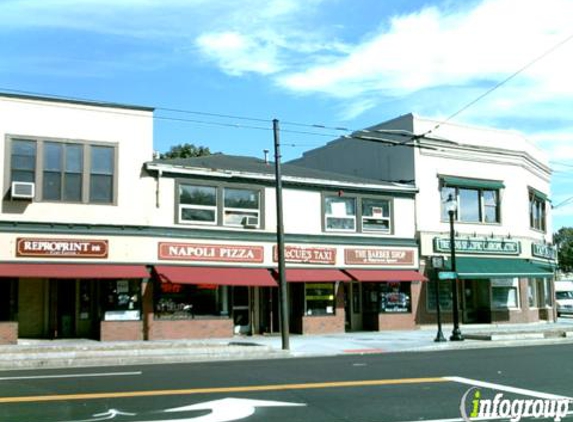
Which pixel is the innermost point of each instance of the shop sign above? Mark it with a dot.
(204, 252)
(61, 248)
(477, 246)
(379, 256)
(543, 250)
(307, 255)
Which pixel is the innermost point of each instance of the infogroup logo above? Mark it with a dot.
(475, 407)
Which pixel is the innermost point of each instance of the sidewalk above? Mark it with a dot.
(30, 354)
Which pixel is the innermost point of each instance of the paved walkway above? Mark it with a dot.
(76, 353)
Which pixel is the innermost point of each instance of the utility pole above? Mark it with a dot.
(283, 291)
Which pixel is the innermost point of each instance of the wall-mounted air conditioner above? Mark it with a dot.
(250, 222)
(22, 190)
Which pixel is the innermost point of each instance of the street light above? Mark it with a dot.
(451, 207)
(438, 264)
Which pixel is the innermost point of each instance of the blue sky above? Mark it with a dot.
(340, 63)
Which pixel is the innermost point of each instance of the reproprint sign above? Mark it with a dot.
(61, 248)
(204, 252)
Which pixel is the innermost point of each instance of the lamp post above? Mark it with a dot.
(451, 207)
(438, 264)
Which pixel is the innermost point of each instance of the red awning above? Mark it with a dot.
(313, 275)
(224, 276)
(27, 270)
(386, 275)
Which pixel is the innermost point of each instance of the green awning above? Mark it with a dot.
(499, 268)
(471, 183)
(539, 194)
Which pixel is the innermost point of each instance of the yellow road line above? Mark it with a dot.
(241, 389)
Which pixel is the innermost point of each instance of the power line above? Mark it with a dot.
(185, 111)
(499, 84)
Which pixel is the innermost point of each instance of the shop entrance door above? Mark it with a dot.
(62, 308)
(269, 310)
(353, 306)
(241, 309)
(476, 303)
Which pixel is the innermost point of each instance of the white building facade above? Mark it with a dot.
(502, 224)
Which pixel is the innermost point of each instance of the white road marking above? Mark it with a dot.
(507, 388)
(95, 374)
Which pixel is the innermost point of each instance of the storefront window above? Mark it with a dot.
(8, 299)
(184, 301)
(544, 292)
(319, 298)
(532, 293)
(445, 295)
(504, 293)
(122, 300)
(392, 297)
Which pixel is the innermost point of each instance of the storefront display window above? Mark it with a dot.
(504, 293)
(184, 301)
(532, 293)
(319, 298)
(445, 295)
(122, 300)
(9, 299)
(394, 297)
(543, 292)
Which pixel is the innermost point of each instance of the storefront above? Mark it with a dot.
(497, 282)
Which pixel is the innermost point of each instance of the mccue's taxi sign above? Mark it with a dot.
(61, 248)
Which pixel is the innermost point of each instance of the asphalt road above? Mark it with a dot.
(398, 387)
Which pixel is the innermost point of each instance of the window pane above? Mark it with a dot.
(192, 214)
(101, 189)
(52, 189)
(468, 207)
(23, 162)
(340, 207)
(74, 158)
(504, 297)
(445, 195)
(197, 195)
(21, 147)
(445, 294)
(23, 176)
(376, 224)
(319, 298)
(241, 198)
(72, 187)
(340, 223)
(395, 297)
(52, 156)
(102, 160)
(178, 301)
(375, 208)
(235, 218)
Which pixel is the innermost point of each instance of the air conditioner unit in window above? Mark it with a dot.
(250, 222)
(22, 190)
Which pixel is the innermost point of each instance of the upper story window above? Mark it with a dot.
(376, 215)
(241, 207)
(537, 211)
(340, 213)
(357, 214)
(198, 204)
(478, 200)
(65, 171)
(213, 205)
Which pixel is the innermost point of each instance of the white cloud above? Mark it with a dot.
(432, 48)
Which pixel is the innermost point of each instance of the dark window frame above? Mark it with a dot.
(537, 212)
(40, 168)
(219, 206)
(458, 215)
